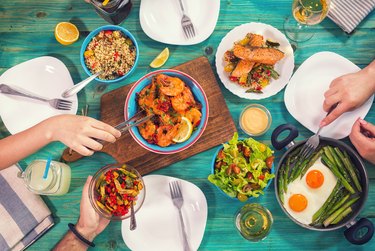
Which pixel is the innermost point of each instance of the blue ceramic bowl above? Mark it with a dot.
(213, 172)
(131, 107)
(96, 32)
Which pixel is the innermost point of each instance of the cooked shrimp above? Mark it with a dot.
(147, 130)
(183, 101)
(165, 134)
(170, 86)
(194, 115)
(146, 96)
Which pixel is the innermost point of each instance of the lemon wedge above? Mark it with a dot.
(66, 33)
(184, 131)
(160, 59)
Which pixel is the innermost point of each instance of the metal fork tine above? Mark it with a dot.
(171, 190)
(178, 190)
(192, 29)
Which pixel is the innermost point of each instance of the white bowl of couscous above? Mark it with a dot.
(111, 50)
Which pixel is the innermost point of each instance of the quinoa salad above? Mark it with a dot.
(111, 52)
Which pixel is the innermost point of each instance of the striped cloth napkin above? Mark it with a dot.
(24, 217)
(349, 13)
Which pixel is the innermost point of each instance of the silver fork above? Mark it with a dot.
(313, 142)
(56, 103)
(186, 23)
(178, 201)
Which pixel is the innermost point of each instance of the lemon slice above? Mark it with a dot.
(160, 59)
(66, 33)
(184, 131)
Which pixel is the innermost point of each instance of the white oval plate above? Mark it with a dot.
(45, 76)
(304, 95)
(158, 224)
(161, 20)
(284, 67)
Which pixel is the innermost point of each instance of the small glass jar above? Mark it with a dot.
(56, 183)
(255, 120)
(254, 222)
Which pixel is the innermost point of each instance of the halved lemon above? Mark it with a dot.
(184, 131)
(160, 59)
(66, 33)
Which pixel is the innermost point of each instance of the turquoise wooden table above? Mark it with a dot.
(26, 32)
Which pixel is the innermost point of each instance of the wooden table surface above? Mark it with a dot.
(26, 32)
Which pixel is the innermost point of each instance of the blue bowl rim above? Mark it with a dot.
(183, 145)
(94, 33)
(213, 172)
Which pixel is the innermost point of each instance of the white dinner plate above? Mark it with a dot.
(284, 67)
(161, 19)
(304, 95)
(158, 224)
(45, 76)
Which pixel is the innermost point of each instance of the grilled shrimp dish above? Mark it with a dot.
(168, 99)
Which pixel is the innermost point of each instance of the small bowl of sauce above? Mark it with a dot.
(255, 120)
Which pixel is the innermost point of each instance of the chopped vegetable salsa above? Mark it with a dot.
(117, 189)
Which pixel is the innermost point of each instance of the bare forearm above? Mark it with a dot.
(18, 146)
(70, 242)
(370, 72)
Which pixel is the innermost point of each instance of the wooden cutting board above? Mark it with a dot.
(220, 127)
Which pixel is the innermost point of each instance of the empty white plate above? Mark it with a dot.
(158, 224)
(284, 67)
(161, 19)
(46, 76)
(304, 95)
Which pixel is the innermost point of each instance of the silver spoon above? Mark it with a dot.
(76, 88)
(133, 223)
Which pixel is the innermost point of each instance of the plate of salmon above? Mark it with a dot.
(254, 61)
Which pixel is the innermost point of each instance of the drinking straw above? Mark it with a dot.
(45, 175)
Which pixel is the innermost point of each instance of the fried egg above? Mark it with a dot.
(305, 196)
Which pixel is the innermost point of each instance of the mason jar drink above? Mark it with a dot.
(56, 183)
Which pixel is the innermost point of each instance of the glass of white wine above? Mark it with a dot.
(254, 222)
(306, 13)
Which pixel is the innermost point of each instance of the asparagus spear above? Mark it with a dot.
(342, 215)
(349, 166)
(280, 184)
(339, 164)
(337, 199)
(339, 204)
(333, 216)
(286, 174)
(328, 202)
(335, 171)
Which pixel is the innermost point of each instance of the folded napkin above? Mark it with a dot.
(349, 13)
(24, 217)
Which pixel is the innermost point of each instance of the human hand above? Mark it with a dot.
(350, 91)
(365, 145)
(79, 132)
(90, 223)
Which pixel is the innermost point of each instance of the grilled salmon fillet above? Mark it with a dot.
(242, 68)
(262, 55)
(255, 39)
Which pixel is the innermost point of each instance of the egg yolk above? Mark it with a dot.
(297, 202)
(314, 179)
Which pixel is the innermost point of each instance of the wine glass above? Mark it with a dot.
(306, 13)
